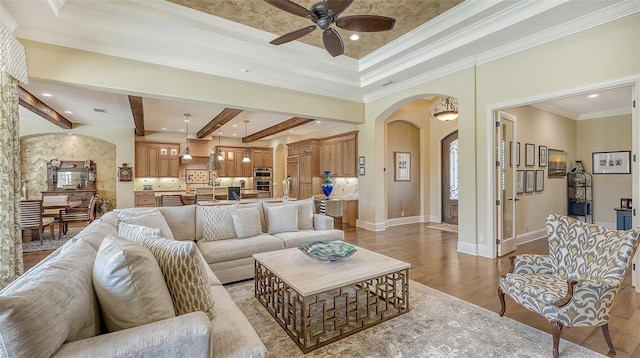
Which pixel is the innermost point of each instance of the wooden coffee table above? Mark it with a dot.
(319, 302)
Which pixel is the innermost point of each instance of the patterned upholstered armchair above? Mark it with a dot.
(576, 283)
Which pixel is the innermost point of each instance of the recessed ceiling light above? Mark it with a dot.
(318, 122)
(245, 70)
(234, 126)
(354, 37)
(47, 94)
(68, 112)
(163, 128)
(593, 95)
(182, 130)
(290, 130)
(235, 134)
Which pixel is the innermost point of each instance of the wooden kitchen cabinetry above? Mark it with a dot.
(349, 213)
(302, 166)
(157, 159)
(145, 198)
(338, 154)
(262, 157)
(232, 166)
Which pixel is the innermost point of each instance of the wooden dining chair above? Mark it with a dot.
(172, 200)
(31, 217)
(54, 200)
(66, 216)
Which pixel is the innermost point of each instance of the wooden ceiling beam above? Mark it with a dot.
(225, 116)
(137, 110)
(280, 127)
(30, 102)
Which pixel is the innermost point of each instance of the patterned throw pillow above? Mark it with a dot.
(151, 219)
(217, 222)
(282, 218)
(182, 266)
(132, 232)
(246, 222)
(129, 285)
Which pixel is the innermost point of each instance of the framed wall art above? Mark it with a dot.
(542, 156)
(557, 163)
(519, 181)
(611, 162)
(530, 181)
(539, 180)
(402, 166)
(529, 154)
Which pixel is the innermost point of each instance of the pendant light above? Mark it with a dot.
(186, 155)
(220, 152)
(246, 158)
(446, 110)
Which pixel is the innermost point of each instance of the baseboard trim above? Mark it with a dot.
(370, 226)
(531, 236)
(467, 248)
(403, 221)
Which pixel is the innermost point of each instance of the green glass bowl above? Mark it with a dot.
(327, 251)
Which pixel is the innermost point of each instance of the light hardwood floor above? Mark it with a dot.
(436, 263)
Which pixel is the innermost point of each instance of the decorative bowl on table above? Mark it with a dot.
(327, 251)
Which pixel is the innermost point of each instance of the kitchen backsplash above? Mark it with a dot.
(345, 188)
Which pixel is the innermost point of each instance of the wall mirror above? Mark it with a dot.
(71, 175)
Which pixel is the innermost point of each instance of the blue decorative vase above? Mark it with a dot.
(327, 185)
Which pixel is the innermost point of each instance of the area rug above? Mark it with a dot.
(48, 243)
(437, 325)
(443, 227)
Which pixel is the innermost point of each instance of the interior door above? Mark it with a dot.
(450, 151)
(506, 170)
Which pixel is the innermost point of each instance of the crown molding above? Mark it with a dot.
(56, 5)
(7, 20)
(608, 113)
(554, 108)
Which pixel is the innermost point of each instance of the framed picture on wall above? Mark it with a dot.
(519, 181)
(530, 181)
(529, 154)
(557, 163)
(539, 180)
(611, 162)
(542, 155)
(402, 166)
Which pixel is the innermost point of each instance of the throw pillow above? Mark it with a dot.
(305, 213)
(246, 222)
(282, 218)
(131, 231)
(129, 285)
(153, 219)
(217, 222)
(184, 271)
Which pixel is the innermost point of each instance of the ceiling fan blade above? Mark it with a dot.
(332, 42)
(291, 7)
(366, 23)
(293, 35)
(337, 6)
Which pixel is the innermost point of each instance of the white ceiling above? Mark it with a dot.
(164, 33)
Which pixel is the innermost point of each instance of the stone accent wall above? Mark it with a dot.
(37, 151)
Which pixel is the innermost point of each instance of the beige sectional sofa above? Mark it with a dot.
(53, 309)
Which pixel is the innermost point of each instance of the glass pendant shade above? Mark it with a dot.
(246, 158)
(187, 155)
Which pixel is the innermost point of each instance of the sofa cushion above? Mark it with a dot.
(217, 222)
(305, 213)
(46, 307)
(181, 221)
(129, 285)
(132, 231)
(246, 222)
(153, 219)
(260, 209)
(184, 272)
(293, 239)
(281, 218)
(233, 249)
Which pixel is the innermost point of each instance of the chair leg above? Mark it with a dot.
(502, 303)
(607, 337)
(556, 327)
(53, 231)
(40, 230)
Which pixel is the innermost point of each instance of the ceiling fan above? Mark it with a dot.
(324, 14)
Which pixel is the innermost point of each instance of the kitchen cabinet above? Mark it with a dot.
(302, 166)
(144, 199)
(338, 154)
(232, 166)
(262, 157)
(349, 213)
(157, 159)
